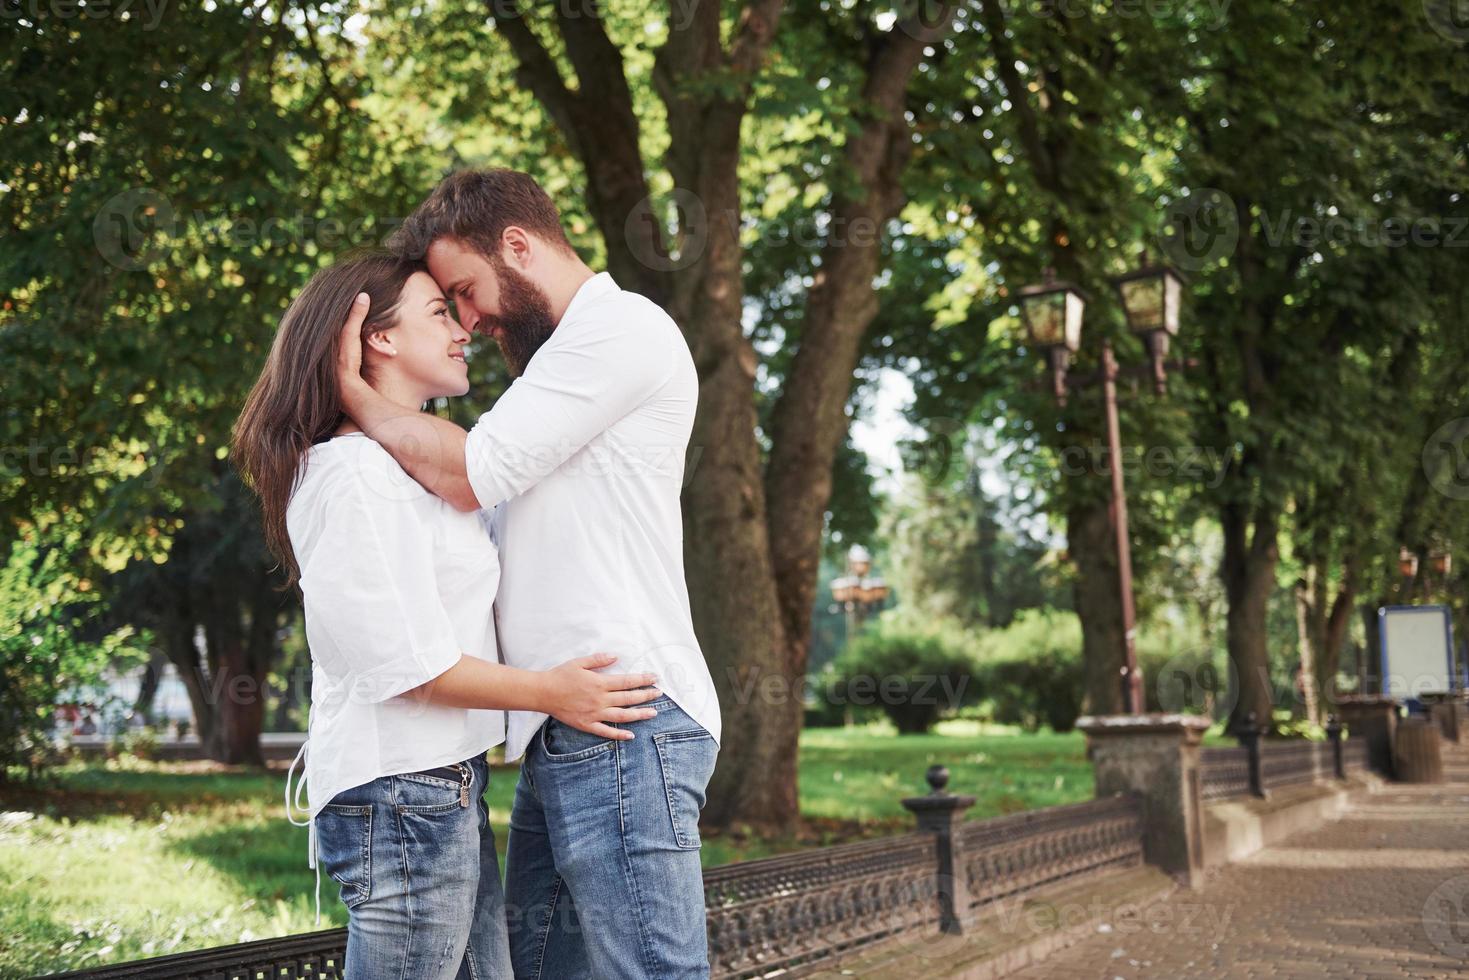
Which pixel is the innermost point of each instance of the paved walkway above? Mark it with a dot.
(1382, 892)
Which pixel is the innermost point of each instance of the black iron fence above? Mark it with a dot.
(793, 914)
(1009, 856)
(309, 956)
(803, 910)
(1224, 773)
(1258, 765)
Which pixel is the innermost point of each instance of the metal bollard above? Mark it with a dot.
(1249, 737)
(1333, 733)
(940, 813)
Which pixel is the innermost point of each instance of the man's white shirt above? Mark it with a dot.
(582, 463)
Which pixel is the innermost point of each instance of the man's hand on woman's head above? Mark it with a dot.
(349, 351)
(430, 449)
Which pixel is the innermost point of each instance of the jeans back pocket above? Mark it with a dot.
(686, 760)
(344, 849)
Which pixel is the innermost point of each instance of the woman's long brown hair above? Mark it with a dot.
(296, 404)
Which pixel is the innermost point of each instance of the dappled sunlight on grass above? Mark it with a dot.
(113, 862)
(74, 893)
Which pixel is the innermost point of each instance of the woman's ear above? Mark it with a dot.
(382, 342)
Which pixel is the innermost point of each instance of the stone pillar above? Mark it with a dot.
(1447, 710)
(1374, 719)
(940, 813)
(1417, 752)
(1155, 756)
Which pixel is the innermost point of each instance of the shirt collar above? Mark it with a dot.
(592, 290)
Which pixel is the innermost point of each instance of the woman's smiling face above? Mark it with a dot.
(424, 348)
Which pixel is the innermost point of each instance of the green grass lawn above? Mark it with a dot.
(114, 862)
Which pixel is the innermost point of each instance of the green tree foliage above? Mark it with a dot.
(960, 553)
(169, 185)
(1315, 290)
(1338, 161)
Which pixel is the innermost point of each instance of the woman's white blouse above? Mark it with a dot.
(397, 585)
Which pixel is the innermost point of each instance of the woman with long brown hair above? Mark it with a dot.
(398, 587)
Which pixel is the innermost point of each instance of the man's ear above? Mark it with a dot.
(515, 246)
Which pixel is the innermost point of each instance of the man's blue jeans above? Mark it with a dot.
(602, 874)
(415, 857)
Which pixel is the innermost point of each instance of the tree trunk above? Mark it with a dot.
(1248, 571)
(1334, 636)
(997, 614)
(183, 652)
(241, 716)
(148, 680)
(732, 590)
(1372, 672)
(809, 422)
(241, 645)
(1306, 645)
(1093, 546)
(1047, 132)
(239, 696)
(752, 537)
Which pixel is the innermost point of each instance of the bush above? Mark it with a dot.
(825, 709)
(1282, 725)
(45, 656)
(913, 672)
(140, 743)
(1031, 671)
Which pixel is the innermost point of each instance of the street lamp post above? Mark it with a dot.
(1435, 575)
(857, 591)
(1053, 313)
(1441, 562)
(1434, 582)
(1407, 564)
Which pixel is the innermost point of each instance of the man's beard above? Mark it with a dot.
(525, 321)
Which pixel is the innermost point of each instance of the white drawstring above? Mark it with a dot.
(309, 823)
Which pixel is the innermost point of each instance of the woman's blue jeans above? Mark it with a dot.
(415, 858)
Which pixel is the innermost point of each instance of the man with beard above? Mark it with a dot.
(582, 461)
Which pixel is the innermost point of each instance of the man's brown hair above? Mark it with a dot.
(476, 206)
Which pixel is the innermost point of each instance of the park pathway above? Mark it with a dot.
(1382, 892)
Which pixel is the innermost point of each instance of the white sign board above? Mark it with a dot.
(1417, 650)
